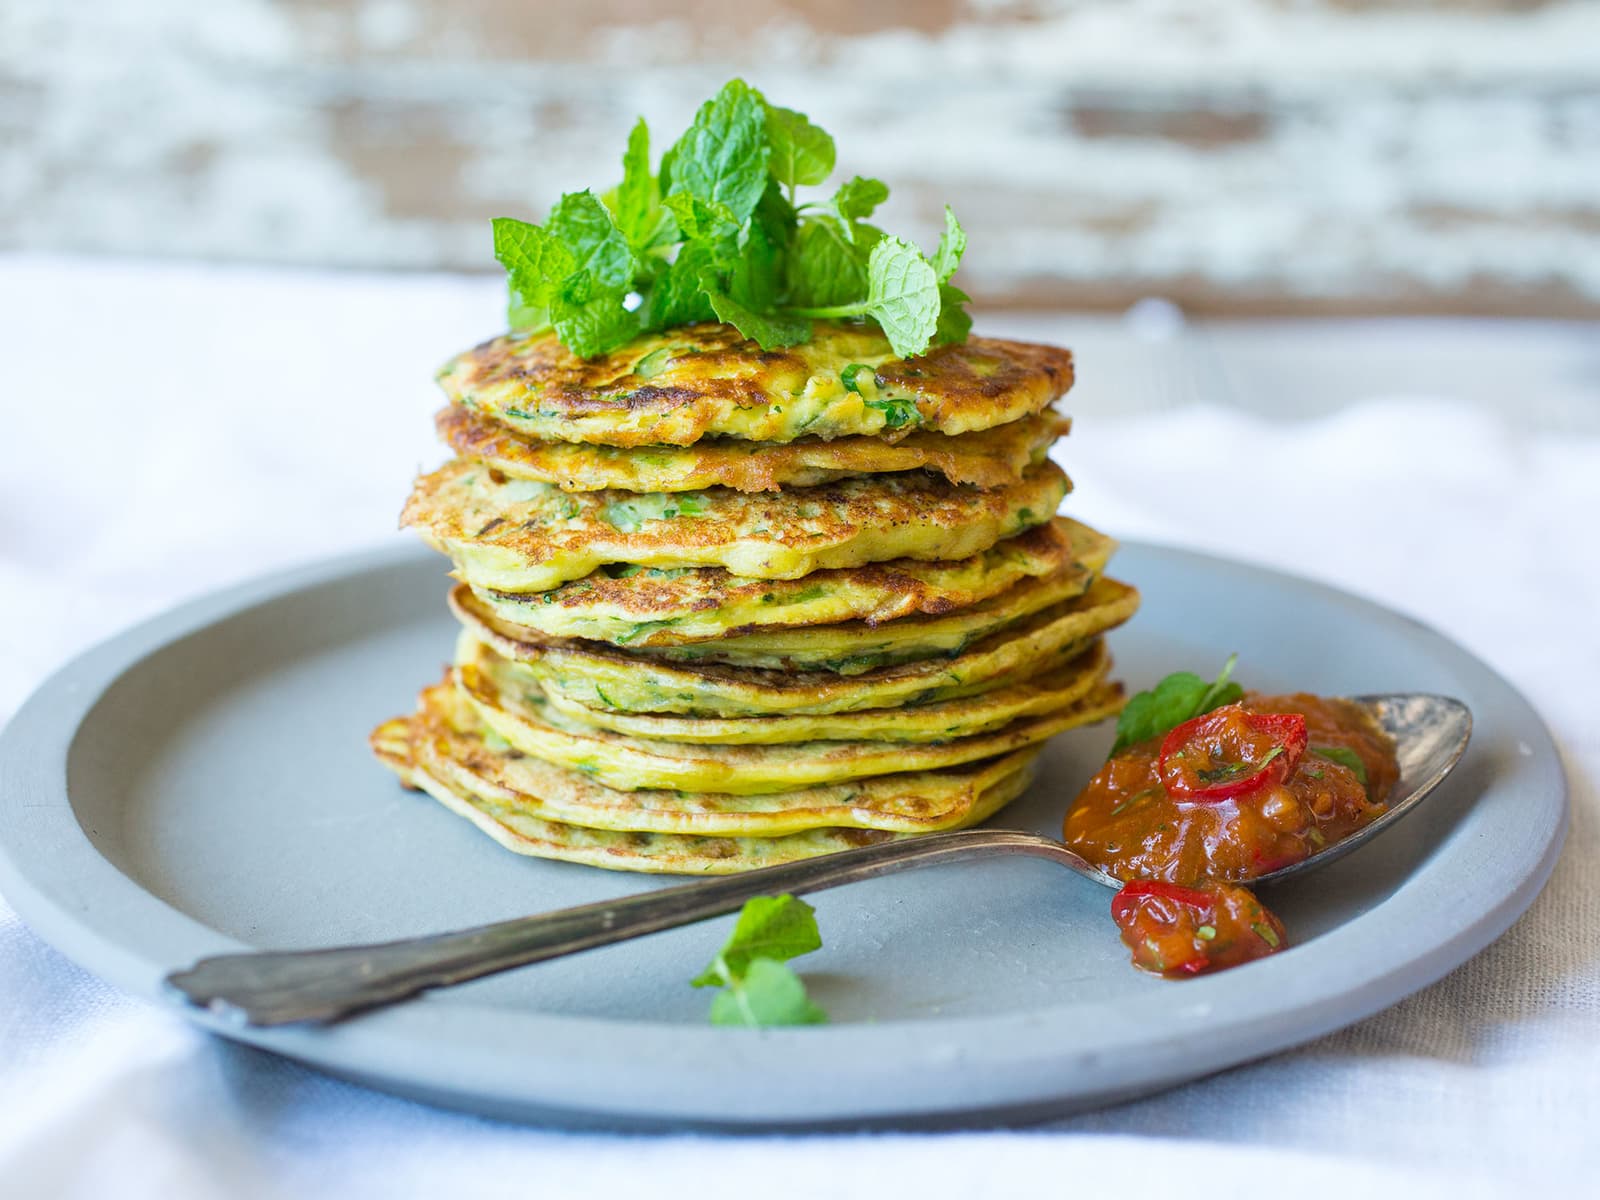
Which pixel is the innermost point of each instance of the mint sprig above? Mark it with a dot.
(636, 203)
(1179, 697)
(759, 988)
(902, 295)
(802, 153)
(718, 232)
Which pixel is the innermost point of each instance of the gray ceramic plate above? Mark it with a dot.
(202, 784)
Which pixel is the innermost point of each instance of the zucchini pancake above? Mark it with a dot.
(757, 551)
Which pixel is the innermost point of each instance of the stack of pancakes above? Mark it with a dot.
(725, 607)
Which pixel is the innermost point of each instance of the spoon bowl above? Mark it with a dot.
(1430, 735)
(280, 987)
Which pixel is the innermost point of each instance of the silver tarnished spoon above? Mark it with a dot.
(279, 987)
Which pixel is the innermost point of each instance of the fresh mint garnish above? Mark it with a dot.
(802, 153)
(722, 158)
(823, 265)
(759, 988)
(583, 225)
(718, 232)
(902, 295)
(636, 204)
(857, 199)
(1179, 697)
(952, 245)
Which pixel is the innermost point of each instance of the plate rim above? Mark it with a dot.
(416, 1049)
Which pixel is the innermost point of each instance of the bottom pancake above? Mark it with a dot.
(439, 751)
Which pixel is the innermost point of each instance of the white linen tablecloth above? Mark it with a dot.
(168, 430)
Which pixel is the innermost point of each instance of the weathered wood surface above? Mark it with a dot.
(1236, 155)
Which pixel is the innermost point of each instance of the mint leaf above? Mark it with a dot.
(761, 990)
(1179, 697)
(722, 157)
(954, 323)
(752, 279)
(755, 272)
(770, 994)
(573, 273)
(775, 218)
(637, 205)
(823, 268)
(780, 927)
(676, 298)
(1346, 758)
(1220, 691)
(903, 295)
(637, 190)
(952, 245)
(535, 264)
(858, 198)
(770, 331)
(702, 220)
(801, 152)
(584, 227)
(524, 317)
(531, 258)
(664, 175)
(590, 318)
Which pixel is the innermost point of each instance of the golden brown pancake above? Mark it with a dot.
(638, 606)
(987, 458)
(676, 387)
(455, 746)
(512, 818)
(517, 709)
(599, 676)
(935, 722)
(516, 535)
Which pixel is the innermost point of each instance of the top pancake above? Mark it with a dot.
(680, 385)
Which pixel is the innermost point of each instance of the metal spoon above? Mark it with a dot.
(278, 987)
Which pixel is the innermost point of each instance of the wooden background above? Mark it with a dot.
(1237, 156)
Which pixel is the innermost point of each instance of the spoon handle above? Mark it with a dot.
(279, 987)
